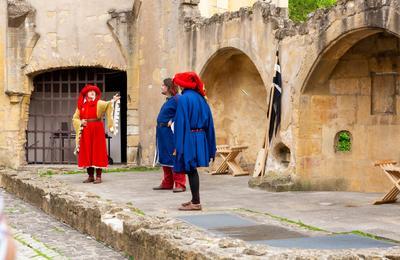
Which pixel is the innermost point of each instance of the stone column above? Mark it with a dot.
(3, 41)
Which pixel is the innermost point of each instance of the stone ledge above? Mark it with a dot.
(272, 182)
(149, 237)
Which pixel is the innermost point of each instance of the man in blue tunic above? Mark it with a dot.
(165, 140)
(194, 133)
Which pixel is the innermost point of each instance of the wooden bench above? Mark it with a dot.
(228, 155)
(393, 173)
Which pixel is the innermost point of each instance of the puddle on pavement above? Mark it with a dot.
(234, 226)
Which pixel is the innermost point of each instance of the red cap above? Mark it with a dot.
(84, 92)
(190, 80)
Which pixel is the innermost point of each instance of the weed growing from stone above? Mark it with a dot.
(59, 230)
(286, 220)
(47, 173)
(38, 252)
(369, 235)
(312, 228)
(130, 169)
(138, 211)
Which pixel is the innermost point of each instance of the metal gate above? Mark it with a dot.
(50, 135)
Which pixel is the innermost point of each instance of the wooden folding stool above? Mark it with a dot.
(229, 154)
(393, 173)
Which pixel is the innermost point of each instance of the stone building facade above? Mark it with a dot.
(340, 73)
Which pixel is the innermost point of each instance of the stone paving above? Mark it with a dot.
(115, 220)
(40, 236)
(332, 211)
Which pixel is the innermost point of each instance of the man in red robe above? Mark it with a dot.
(90, 134)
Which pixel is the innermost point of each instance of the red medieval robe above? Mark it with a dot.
(91, 140)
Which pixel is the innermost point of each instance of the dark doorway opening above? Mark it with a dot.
(50, 135)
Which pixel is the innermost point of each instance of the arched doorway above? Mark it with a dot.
(349, 113)
(238, 99)
(50, 136)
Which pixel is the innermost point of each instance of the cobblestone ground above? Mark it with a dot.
(41, 236)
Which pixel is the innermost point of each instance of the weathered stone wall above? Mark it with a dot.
(249, 32)
(75, 33)
(352, 98)
(43, 36)
(157, 58)
(309, 54)
(326, 65)
(10, 109)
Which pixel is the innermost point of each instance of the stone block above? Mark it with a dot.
(346, 118)
(132, 130)
(322, 117)
(364, 110)
(347, 102)
(313, 164)
(309, 147)
(386, 44)
(365, 86)
(328, 141)
(310, 130)
(323, 102)
(344, 86)
(133, 117)
(351, 69)
(133, 140)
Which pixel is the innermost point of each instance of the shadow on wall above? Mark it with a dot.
(238, 100)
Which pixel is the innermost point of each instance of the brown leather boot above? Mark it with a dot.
(90, 178)
(98, 176)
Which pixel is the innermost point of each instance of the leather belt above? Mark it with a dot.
(197, 130)
(93, 120)
(162, 124)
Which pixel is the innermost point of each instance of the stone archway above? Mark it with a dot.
(353, 88)
(238, 99)
(49, 134)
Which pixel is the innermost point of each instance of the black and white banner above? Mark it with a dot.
(275, 118)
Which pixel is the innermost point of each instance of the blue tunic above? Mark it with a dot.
(164, 135)
(194, 132)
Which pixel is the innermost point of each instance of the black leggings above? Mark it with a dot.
(194, 183)
(90, 171)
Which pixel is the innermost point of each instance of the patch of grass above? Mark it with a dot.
(129, 169)
(286, 220)
(75, 172)
(368, 235)
(133, 169)
(38, 252)
(47, 246)
(343, 142)
(59, 230)
(47, 173)
(11, 210)
(309, 227)
(300, 9)
(138, 211)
